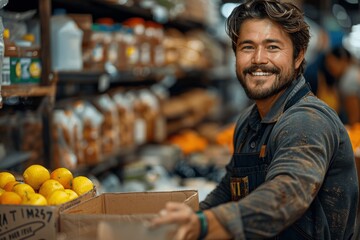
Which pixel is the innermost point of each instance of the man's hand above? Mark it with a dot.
(182, 215)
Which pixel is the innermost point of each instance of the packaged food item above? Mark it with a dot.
(141, 40)
(156, 125)
(126, 117)
(143, 121)
(31, 135)
(92, 120)
(21, 63)
(110, 126)
(127, 52)
(63, 139)
(155, 35)
(174, 40)
(97, 56)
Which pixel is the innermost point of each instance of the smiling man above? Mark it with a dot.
(292, 174)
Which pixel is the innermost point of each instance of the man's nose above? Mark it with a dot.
(260, 56)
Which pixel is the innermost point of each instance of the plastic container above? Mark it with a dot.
(66, 42)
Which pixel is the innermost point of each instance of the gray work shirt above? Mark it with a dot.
(312, 165)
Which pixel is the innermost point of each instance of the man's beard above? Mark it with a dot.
(281, 81)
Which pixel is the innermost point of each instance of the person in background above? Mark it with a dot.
(336, 79)
(349, 85)
(292, 174)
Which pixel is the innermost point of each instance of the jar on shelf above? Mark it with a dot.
(97, 55)
(141, 40)
(155, 35)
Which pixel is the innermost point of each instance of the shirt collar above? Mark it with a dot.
(278, 108)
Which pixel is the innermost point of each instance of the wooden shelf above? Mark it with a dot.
(27, 90)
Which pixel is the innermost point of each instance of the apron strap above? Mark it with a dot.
(299, 95)
(266, 129)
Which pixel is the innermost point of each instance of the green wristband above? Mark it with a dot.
(203, 225)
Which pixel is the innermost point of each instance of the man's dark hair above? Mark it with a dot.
(287, 15)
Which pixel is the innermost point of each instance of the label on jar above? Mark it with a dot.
(140, 131)
(132, 54)
(113, 52)
(98, 53)
(25, 70)
(145, 53)
(159, 55)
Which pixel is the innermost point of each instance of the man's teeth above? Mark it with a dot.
(261, 73)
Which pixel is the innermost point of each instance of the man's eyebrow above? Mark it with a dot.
(269, 40)
(245, 42)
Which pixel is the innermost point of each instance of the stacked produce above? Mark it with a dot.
(39, 186)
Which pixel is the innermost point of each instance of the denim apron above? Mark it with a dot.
(249, 169)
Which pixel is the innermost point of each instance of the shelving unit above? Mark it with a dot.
(45, 90)
(55, 85)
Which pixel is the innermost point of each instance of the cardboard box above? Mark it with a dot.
(34, 222)
(122, 215)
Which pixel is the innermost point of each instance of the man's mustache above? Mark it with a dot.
(262, 68)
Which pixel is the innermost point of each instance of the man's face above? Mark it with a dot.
(264, 58)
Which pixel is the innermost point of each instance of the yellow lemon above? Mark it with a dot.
(23, 189)
(72, 194)
(49, 186)
(34, 199)
(63, 175)
(81, 185)
(6, 177)
(10, 198)
(58, 197)
(1, 191)
(10, 185)
(35, 175)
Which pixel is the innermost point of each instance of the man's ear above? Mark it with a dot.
(300, 58)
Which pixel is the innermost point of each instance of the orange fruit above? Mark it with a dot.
(35, 175)
(1, 191)
(34, 199)
(49, 186)
(23, 189)
(81, 185)
(72, 194)
(10, 185)
(6, 177)
(10, 198)
(58, 197)
(63, 175)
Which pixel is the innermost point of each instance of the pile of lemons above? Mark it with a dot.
(42, 187)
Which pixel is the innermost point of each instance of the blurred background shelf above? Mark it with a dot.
(28, 90)
(14, 158)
